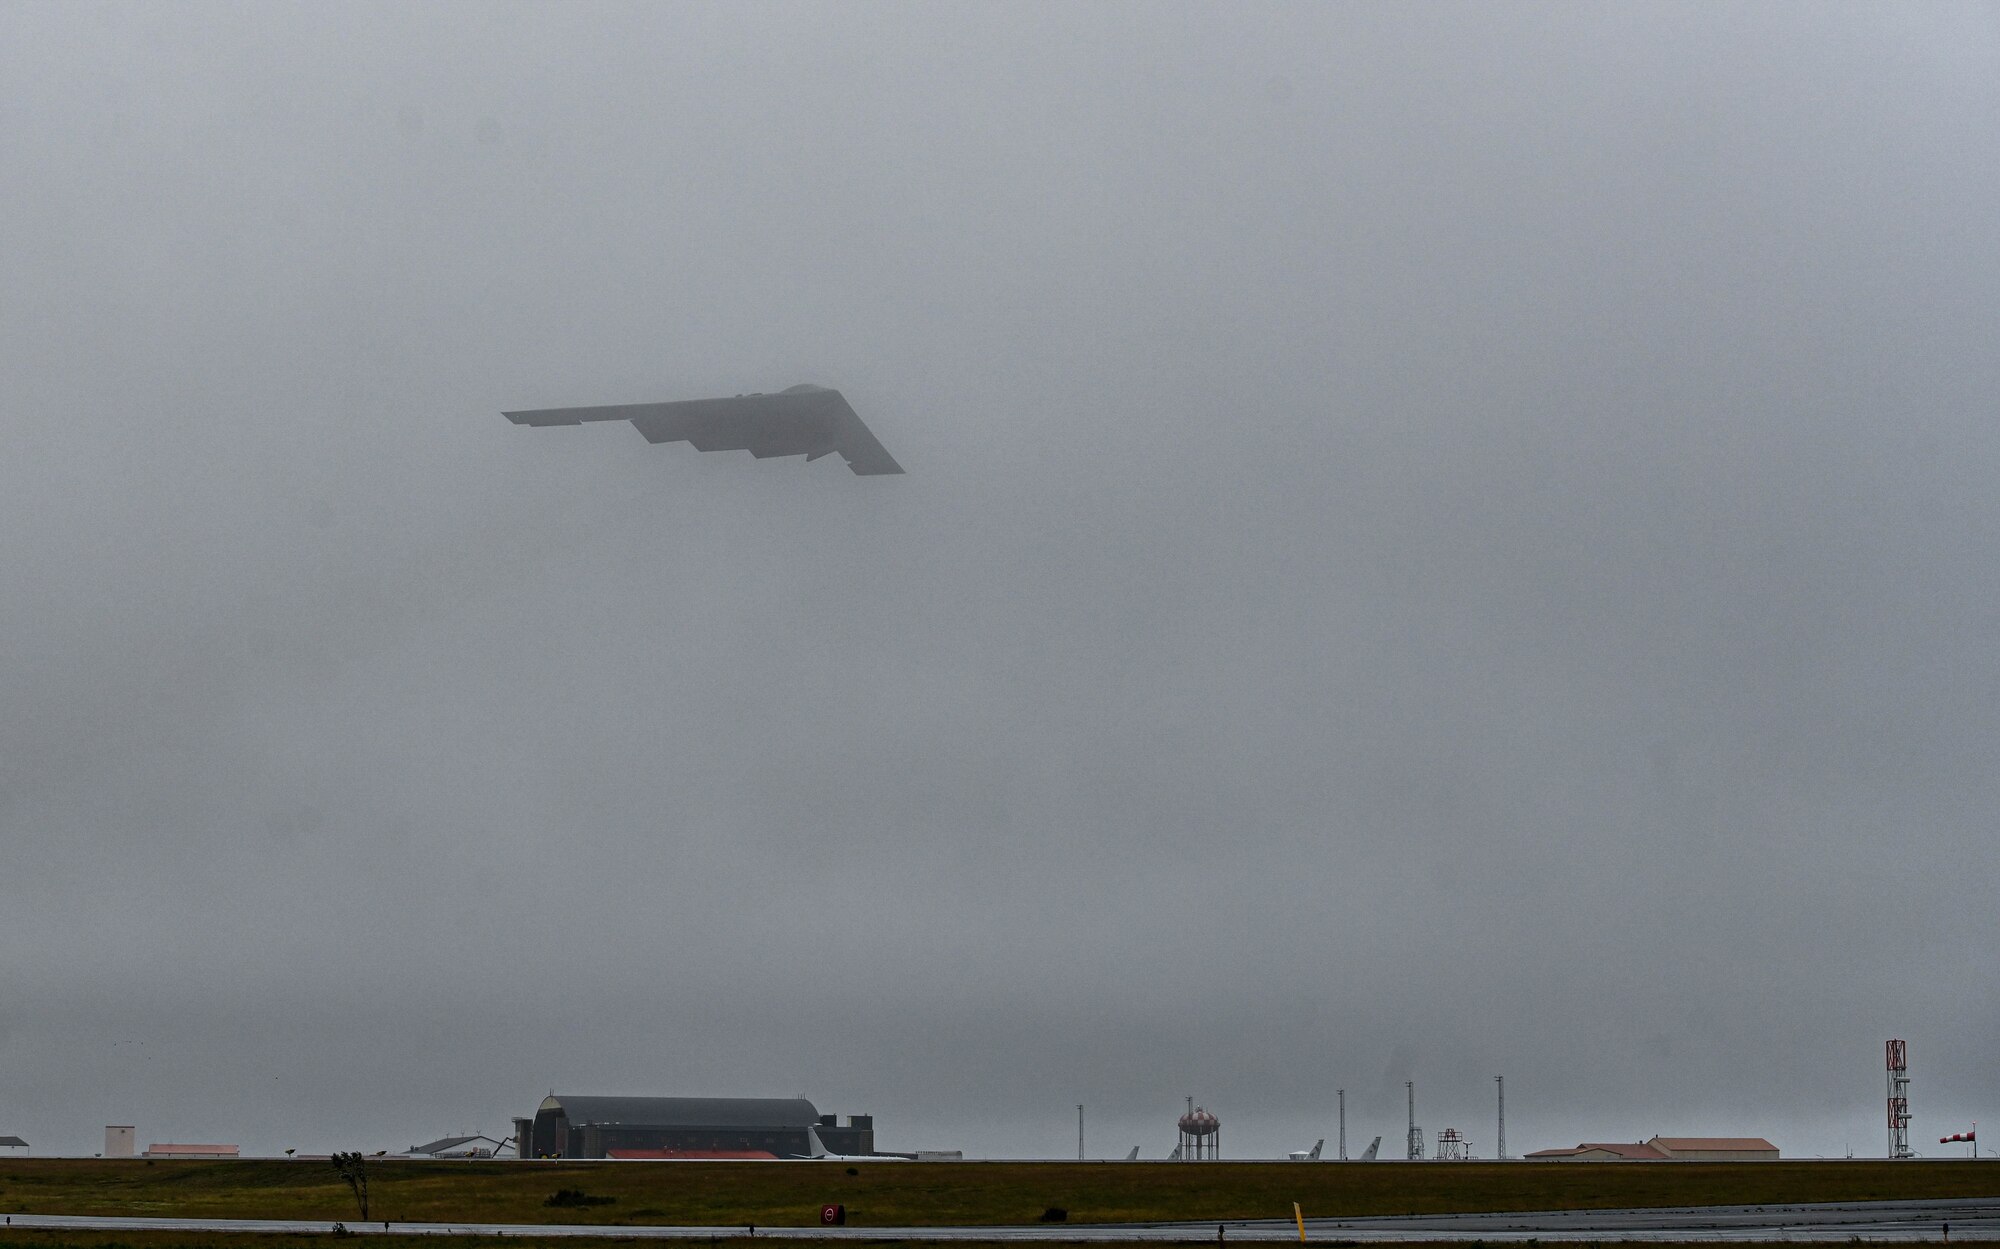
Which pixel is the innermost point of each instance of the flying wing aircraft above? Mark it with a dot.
(805, 420)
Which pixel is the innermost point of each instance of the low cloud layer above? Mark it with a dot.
(1437, 544)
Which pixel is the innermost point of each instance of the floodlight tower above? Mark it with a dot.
(1899, 1099)
(1500, 1145)
(1342, 1095)
(1414, 1150)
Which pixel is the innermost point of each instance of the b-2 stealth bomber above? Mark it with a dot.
(805, 420)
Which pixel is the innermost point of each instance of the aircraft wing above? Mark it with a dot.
(806, 420)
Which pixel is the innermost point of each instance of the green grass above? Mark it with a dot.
(778, 1194)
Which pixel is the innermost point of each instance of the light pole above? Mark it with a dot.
(1342, 1095)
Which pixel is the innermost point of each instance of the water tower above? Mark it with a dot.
(1201, 1135)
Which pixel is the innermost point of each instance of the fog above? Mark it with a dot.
(1439, 542)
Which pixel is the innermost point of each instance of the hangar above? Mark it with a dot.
(1667, 1148)
(568, 1126)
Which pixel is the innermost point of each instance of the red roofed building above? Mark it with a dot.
(1716, 1148)
(1600, 1152)
(1668, 1149)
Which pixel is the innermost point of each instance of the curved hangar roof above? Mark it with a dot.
(685, 1112)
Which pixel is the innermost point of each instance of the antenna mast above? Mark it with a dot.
(1342, 1095)
(1415, 1143)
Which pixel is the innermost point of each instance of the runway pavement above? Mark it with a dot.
(1902, 1221)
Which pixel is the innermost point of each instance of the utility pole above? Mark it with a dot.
(1414, 1149)
(1342, 1095)
(1079, 1131)
(1500, 1150)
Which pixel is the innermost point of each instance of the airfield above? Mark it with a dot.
(1887, 1221)
(85, 1202)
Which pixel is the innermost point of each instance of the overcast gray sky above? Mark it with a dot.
(1440, 541)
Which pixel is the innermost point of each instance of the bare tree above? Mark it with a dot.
(354, 1169)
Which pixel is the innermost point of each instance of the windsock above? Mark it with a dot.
(1959, 1136)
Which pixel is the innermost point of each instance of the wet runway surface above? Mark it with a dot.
(1969, 1220)
(1835, 1221)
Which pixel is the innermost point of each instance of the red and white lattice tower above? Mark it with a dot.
(1899, 1100)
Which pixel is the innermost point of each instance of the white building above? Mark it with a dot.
(192, 1151)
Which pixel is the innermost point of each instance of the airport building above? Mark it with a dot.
(474, 1146)
(191, 1151)
(1667, 1149)
(686, 1127)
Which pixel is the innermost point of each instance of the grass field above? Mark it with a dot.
(779, 1194)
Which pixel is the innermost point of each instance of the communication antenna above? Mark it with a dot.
(1899, 1099)
(1451, 1146)
(1500, 1146)
(1415, 1143)
(1342, 1095)
(1079, 1131)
